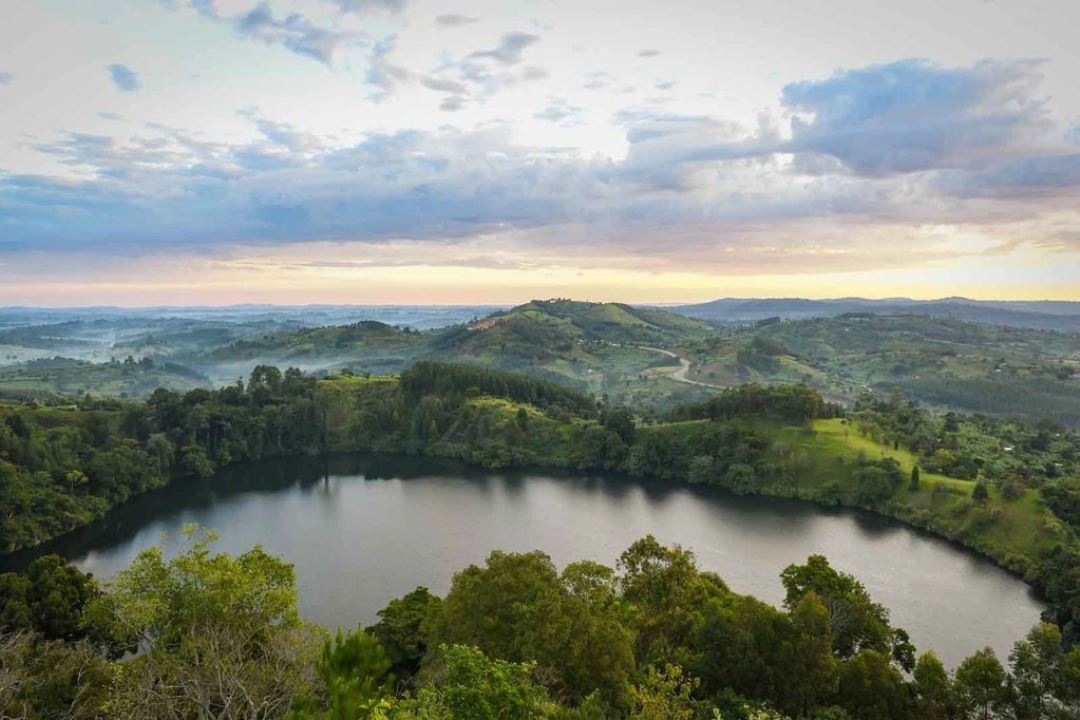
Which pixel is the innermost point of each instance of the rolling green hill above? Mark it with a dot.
(64, 377)
(607, 349)
(614, 322)
(593, 347)
(334, 342)
(1036, 314)
(596, 347)
(600, 348)
(945, 362)
(103, 339)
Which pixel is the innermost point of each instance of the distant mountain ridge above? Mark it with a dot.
(1037, 314)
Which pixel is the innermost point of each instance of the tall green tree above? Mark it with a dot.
(979, 685)
(666, 593)
(401, 630)
(356, 681)
(932, 683)
(857, 622)
(1036, 663)
(219, 635)
(49, 598)
(518, 608)
(468, 685)
(663, 694)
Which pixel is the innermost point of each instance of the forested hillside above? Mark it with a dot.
(654, 638)
(1044, 315)
(592, 347)
(944, 362)
(630, 355)
(57, 378)
(367, 345)
(61, 467)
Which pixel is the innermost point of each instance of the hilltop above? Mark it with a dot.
(1036, 314)
(593, 347)
(613, 322)
(58, 377)
(942, 361)
(106, 338)
(604, 348)
(630, 354)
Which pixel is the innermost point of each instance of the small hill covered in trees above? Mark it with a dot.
(944, 362)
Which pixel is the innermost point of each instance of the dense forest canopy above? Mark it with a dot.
(629, 354)
(654, 638)
(1006, 487)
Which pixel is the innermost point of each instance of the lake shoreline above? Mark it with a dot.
(10, 560)
(362, 528)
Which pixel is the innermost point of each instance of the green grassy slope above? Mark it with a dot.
(366, 346)
(321, 342)
(822, 461)
(593, 347)
(1016, 533)
(64, 377)
(941, 361)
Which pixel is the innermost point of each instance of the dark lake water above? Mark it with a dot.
(364, 529)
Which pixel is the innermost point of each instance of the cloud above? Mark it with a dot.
(171, 189)
(473, 80)
(360, 6)
(452, 103)
(444, 85)
(384, 75)
(207, 8)
(174, 190)
(125, 79)
(6, 78)
(597, 81)
(283, 134)
(648, 53)
(294, 32)
(510, 48)
(690, 186)
(1013, 178)
(454, 20)
(560, 112)
(915, 115)
(1072, 135)
(533, 73)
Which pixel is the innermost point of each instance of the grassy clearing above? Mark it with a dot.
(1017, 533)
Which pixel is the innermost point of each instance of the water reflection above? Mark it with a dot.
(363, 529)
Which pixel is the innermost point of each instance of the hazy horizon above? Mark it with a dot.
(219, 152)
(836, 298)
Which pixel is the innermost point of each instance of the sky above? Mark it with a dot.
(158, 152)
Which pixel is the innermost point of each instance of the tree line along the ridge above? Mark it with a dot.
(62, 467)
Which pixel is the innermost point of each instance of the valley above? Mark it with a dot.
(629, 354)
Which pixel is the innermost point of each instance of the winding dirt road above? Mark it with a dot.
(680, 373)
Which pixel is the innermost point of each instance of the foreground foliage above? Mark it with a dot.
(218, 636)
